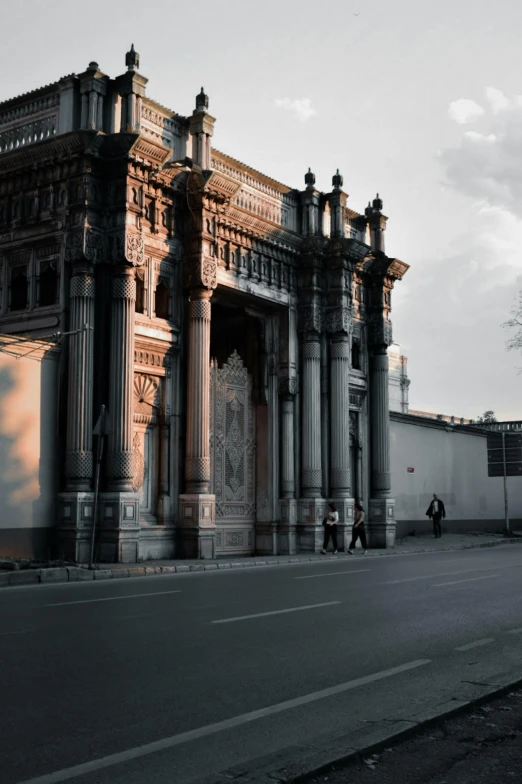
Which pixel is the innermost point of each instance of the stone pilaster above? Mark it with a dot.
(381, 517)
(119, 525)
(75, 506)
(198, 505)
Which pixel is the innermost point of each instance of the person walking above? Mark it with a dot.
(358, 529)
(330, 528)
(436, 512)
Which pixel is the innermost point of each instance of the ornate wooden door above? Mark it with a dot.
(232, 453)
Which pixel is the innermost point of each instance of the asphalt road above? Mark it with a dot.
(173, 678)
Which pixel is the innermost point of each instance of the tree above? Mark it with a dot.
(515, 322)
(487, 418)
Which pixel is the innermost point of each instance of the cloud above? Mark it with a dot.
(301, 107)
(464, 111)
(452, 310)
(487, 164)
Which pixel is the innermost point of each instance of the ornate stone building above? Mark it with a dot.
(236, 329)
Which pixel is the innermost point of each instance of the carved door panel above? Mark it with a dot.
(147, 399)
(232, 452)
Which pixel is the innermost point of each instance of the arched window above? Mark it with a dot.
(19, 288)
(356, 355)
(161, 300)
(139, 305)
(48, 284)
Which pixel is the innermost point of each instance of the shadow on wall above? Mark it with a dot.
(24, 509)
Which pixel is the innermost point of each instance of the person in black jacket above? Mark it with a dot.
(436, 512)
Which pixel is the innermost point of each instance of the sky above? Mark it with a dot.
(419, 101)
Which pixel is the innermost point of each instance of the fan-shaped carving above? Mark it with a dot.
(145, 389)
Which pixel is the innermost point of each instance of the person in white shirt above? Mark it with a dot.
(330, 528)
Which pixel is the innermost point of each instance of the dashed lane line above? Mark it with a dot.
(276, 612)
(329, 574)
(467, 580)
(112, 598)
(476, 644)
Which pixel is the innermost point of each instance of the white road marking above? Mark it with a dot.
(212, 729)
(111, 598)
(451, 560)
(23, 631)
(468, 580)
(476, 644)
(440, 574)
(329, 574)
(515, 631)
(275, 612)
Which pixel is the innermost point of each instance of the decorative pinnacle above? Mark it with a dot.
(132, 59)
(310, 179)
(377, 204)
(201, 101)
(337, 181)
(93, 66)
(368, 210)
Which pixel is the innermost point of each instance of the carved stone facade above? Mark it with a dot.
(235, 328)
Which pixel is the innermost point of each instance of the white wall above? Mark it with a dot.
(28, 426)
(452, 464)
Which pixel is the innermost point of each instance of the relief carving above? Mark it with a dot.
(311, 318)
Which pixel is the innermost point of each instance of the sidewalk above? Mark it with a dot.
(80, 573)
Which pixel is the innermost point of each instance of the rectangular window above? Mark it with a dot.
(19, 288)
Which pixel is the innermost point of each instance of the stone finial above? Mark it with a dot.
(132, 59)
(202, 101)
(310, 179)
(337, 181)
(368, 210)
(377, 204)
(93, 66)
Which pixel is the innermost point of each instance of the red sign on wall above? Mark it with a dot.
(410, 470)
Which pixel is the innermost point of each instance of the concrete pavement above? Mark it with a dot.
(191, 675)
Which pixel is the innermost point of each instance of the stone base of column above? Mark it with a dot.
(287, 544)
(74, 526)
(118, 528)
(381, 523)
(344, 526)
(266, 539)
(157, 542)
(310, 531)
(197, 526)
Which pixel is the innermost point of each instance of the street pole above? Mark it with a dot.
(100, 430)
(506, 517)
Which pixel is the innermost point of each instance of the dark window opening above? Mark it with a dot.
(356, 355)
(161, 300)
(48, 284)
(139, 306)
(19, 288)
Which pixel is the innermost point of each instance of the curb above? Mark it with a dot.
(70, 574)
(303, 762)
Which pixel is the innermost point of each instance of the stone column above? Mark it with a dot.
(312, 462)
(79, 459)
(120, 507)
(287, 502)
(76, 504)
(311, 505)
(197, 462)
(120, 468)
(340, 475)
(340, 416)
(198, 505)
(381, 518)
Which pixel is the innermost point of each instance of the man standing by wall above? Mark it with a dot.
(436, 511)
